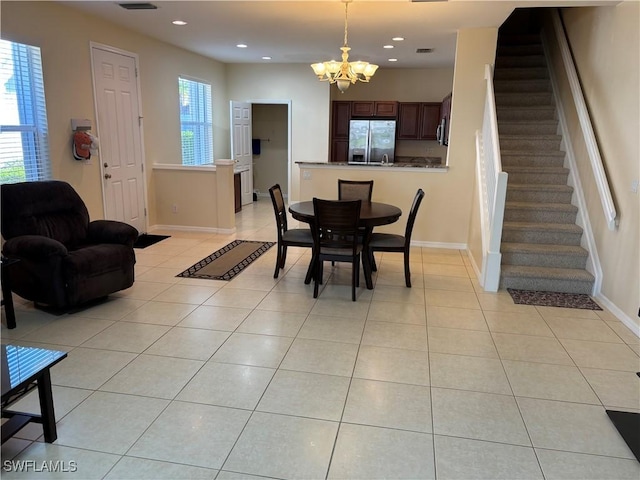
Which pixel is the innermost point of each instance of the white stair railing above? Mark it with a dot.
(492, 188)
(585, 123)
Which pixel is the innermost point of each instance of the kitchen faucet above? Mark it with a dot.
(385, 158)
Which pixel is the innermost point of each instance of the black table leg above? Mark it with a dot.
(46, 407)
(7, 299)
(366, 258)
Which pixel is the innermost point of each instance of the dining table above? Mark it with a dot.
(372, 214)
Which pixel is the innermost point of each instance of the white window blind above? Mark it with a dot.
(24, 139)
(196, 124)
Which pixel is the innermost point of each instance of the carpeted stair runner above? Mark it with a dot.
(540, 239)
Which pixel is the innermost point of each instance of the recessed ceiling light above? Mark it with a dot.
(179, 22)
(388, 46)
(266, 58)
(241, 45)
(393, 59)
(397, 39)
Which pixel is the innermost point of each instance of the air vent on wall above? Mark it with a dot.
(138, 6)
(424, 50)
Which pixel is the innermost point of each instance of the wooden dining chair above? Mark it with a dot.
(387, 242)
(294, 237)
(355, 190)
(335, 233)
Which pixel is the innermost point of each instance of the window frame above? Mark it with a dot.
(30, 107)
(202, 126)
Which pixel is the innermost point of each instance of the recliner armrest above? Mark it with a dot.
(33, 247)
(111, 231)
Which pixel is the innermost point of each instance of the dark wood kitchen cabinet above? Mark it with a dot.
(369, 108)
(418, 120)
(237, 192)
(430, 118)
(340, 118)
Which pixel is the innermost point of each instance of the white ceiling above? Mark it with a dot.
(307, 31)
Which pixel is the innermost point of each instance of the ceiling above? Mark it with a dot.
(307, 31)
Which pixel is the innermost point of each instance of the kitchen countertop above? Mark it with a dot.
(400, 162)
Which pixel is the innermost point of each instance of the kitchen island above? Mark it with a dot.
(441, 222)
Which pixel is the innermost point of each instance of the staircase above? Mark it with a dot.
(540, 239)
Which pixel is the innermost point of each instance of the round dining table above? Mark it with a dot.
(372, 214)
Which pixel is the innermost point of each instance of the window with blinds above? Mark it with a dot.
(196, 124)
(24, 141)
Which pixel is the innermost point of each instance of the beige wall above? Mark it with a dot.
(435, 225)
(445, 215)
(606, 46)
(269, 123)
(402, 85)
(309, 106)
(194, 195)
(475, 49)
(64, 36)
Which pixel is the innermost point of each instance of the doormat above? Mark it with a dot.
(628, 425)
(146, 240)
(229, 261)
(553, 299)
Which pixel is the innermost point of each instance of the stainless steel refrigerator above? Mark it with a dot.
(372, 141)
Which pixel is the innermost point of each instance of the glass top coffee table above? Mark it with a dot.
(22, 370)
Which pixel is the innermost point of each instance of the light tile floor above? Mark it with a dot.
(186, 378)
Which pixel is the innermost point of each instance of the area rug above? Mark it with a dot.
(229, 261)
(145, 240)
(553, 299)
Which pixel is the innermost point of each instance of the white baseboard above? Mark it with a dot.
(183, 228)
(449, 246)
(619, 314)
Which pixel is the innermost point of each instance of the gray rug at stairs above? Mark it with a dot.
(229, 261)
(553, 299)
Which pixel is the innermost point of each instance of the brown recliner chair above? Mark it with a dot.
(65, 259)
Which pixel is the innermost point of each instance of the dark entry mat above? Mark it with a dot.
(147, 239)
(628, 424)
(553, 299)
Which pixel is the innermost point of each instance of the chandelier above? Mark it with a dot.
(344, 73)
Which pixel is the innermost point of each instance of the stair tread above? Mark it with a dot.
(542, 121)
(547, 249)
(541, 153)
(528, 107)
(547, 187)
(535, 169)
(544, 226)
(567, 207)
(547, 272)
(537, 136)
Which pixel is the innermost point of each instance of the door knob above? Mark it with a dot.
(107, 176)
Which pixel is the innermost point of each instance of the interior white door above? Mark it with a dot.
(241, 147)
(119, 130)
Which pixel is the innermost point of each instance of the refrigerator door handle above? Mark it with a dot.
(367, 155)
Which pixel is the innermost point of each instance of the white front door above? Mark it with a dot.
(120, 134)
(241, 146)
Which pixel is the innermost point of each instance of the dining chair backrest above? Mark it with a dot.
(279, 208)
(417, 200)
(355, 190)
(336, 224)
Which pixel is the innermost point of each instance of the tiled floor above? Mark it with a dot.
(178, 378)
